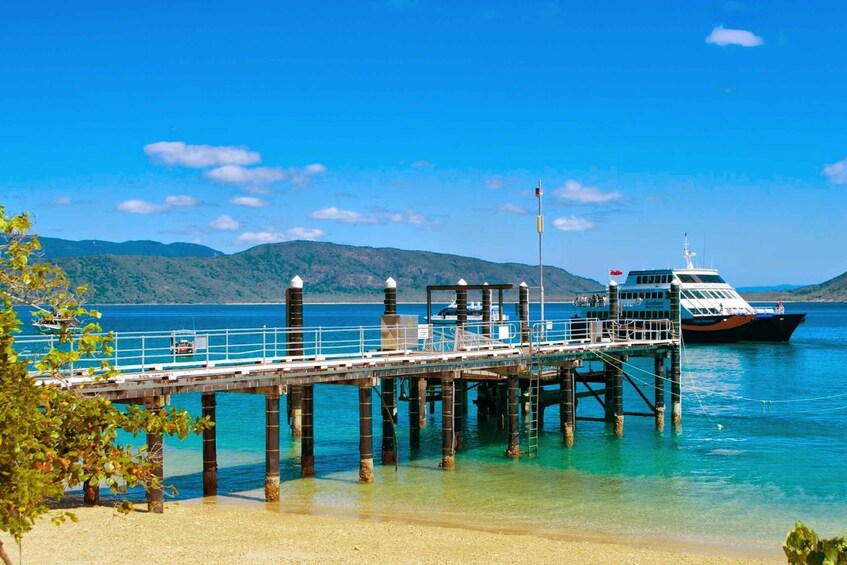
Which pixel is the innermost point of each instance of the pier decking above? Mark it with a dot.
(512, 363)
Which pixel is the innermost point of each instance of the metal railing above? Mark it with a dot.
(143, 351)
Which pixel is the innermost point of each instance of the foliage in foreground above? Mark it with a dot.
(53, 438)
(803, 546)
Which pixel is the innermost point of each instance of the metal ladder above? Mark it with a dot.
(534, 409)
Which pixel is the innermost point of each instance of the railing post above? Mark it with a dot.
(142, 352)
(264, 345)
(226, 344)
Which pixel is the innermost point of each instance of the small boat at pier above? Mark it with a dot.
(49, 324)
(449, 314)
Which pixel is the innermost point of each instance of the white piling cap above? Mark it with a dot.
(613, 283)
(485, 284)
(462, 282)
(296, 282)
(390, 283)
(523, 284)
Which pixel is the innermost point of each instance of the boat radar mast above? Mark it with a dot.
(687, 254)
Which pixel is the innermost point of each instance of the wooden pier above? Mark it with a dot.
(518, 368)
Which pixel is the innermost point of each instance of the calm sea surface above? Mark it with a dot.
(763, 444)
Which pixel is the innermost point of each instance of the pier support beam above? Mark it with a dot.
(208, 406)
(659, 386)
(155, 450)
(514, 448)
(523, 312)
(566, 405)
(417, 410)
(619, 395)
(389, 422)
(91, 492)
(307, 444)
(294, 323)
(271, 447)
(676, 389)
(447, 438)
(460, 390)
(676, 334)
(366, 448)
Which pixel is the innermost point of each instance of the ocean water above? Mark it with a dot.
(763, 444)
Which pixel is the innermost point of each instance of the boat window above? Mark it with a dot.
(711, 278)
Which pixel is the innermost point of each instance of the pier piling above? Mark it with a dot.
(676, 391)
(659, 382)
(523, 312)
(389, 420)
(514, 448)
(415, 409)
(447, 437)
(271, 447)
(307, 444)
(208, 405)
(294, 323)
(566, 405)
(155, 450)
(366, 457)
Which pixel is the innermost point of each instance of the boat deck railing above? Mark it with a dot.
(137, 352)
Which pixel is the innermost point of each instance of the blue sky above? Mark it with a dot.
(426, 125)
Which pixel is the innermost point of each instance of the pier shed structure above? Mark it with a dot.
(515, 375)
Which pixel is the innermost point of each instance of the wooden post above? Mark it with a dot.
(461, 304)
(155, 450)
(210, 454)
(271, 447)
(390, 300)
(91, 492)
(523, 312)
(422, 391)
(486, 311)
(294, 323)
(460, 391)
(415, 412)
(619, 395)
(447, 438)
(609, 391)
(676, 391)
(307, 445)
(366, 448)
(659, 382)
(566, 404)
(389, 419)
(514, 448)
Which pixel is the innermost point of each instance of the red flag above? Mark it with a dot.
(613, 272)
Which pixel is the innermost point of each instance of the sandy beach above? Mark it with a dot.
(220, 531)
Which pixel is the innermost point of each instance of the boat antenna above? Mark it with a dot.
(687, 254)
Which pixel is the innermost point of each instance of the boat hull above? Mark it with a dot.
(716, 329)
(773, 327)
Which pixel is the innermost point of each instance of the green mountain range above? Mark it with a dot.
(331, 273)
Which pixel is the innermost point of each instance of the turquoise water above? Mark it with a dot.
(763, 444)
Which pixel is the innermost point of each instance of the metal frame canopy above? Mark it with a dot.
(455, 287)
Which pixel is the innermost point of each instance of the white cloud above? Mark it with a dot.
(310, 234)
(271, 235)
(225, 222)
(63, 201)
(723, 36)
(422, 164)
(343, 216)
(406, 217)
(140, 207)
(513, 209)
(257, 237)
(494, 184)
(234, 174)
(182, 201)
(301, 177)
(572, 224)
(200, 156)
(578, 192)
(257, 190)
(249, 202)
(836, 172)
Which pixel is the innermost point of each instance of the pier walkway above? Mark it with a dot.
(517, 368)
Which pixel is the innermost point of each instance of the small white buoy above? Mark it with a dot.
(720, 426)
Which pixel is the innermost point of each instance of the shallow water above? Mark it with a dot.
(763, 444)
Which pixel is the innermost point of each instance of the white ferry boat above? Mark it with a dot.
(449, 314)
(711, 310)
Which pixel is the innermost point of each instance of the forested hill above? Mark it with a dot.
(833, 290)
(52, 247)
(331, 272)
